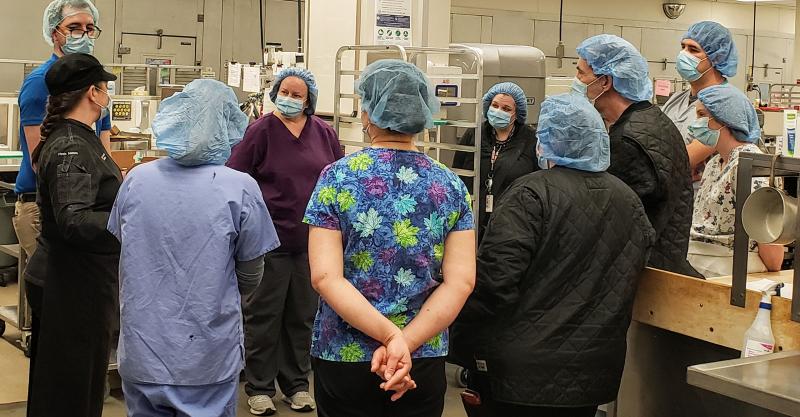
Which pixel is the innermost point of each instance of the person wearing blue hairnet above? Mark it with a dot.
(708, 57)
(385, 221)
(508, 146)
(647, 150)
(68, 26)
(193, 235)
(538, 313)
(726, 122)
(284, 151)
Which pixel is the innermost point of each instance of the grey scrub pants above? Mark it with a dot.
(278, 317)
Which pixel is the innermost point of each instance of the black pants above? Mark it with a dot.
(479, 383)
(351, 390)
(75, 334)
(34, 294)
(278, 317)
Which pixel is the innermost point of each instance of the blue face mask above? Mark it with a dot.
(686, 64)
(581, 88)
(498, 118)
(83, 45)
(289, 107)
(704, 134)
(543, 164)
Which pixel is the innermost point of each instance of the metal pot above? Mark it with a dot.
(769, 215)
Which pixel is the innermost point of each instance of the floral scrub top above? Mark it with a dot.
(395, 209)
(715, 202)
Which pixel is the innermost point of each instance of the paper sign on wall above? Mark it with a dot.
(234, 74)
(393, 22)
(251, 79)
(663, 88)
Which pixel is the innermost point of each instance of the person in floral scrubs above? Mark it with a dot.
(727, 122)
(384, 222)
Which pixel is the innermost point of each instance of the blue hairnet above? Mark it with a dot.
(304, 75)
(572, 134)
(729, 106)
(54, 14)
(717, 42)
(397, 96)
(200, 124)
(616, 57)
(512, 90)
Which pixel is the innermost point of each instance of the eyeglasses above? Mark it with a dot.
(93, 32)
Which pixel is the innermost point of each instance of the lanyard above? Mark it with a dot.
(497, 149)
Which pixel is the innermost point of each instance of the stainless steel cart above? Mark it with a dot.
(18, 316)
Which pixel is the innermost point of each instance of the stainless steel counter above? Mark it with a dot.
(771, 382)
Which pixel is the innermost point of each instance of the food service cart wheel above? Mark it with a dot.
(461, 377)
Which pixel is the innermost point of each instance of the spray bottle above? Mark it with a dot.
(758, 339)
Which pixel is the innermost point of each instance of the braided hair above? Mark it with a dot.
(57, 108)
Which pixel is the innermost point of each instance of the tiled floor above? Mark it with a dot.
(13, 377)
(115, 406)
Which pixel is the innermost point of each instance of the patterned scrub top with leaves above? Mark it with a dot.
(394, 209)
(715, 201)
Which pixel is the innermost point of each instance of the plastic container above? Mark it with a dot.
(758, 339)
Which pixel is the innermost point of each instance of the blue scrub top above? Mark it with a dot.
(182, 230)
(32, 110)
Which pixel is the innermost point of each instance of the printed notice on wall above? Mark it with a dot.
(393, 22)
(234, 74)
(251, 80)
(663, 88)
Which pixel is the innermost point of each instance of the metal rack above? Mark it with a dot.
(19, 315)
(8, 102)
(130, 76)
(758, 165)
(411, 54)
(784, 95)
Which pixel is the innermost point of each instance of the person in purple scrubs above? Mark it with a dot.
(284, 151)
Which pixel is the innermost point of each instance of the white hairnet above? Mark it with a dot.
(54, 14)
(397, 96)
(572, 134)
(200, 124)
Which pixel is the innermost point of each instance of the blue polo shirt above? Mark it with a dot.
(32, 110)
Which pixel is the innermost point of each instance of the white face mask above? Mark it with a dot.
(582, 88)
(104, 111)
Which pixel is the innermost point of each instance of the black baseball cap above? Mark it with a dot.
(75, 71)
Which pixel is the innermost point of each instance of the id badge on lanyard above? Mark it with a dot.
(489, 181)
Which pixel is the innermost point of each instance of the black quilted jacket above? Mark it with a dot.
(648, 154)
(557, 273)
